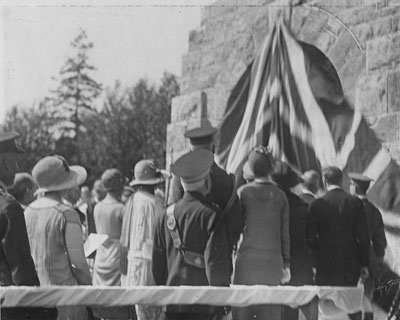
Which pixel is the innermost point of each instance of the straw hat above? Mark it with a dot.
(147, 173)
(54, 174)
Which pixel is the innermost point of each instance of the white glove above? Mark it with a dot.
(228, 316)
(285, 275)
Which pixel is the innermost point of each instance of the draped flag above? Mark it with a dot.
(290, 98)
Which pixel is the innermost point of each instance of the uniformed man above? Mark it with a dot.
(16, 264)
(190, 239)
(223, 188)
(359, 186)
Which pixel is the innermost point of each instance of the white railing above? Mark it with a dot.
(345, 299)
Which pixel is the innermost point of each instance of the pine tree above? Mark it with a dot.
(76, 93)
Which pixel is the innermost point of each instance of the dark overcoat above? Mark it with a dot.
(377, 236)
(203, 231)
(337, 230)
(222, 187)
(300, 255)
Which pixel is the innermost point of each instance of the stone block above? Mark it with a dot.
(394, 91)
(176, 142)
(208, 103)
(324, 41)
(349, 73)
(311, 29)
(365, 14)
(383, 51)
(199, 79)
(337, 6)
(344, 48)
(368, 31)
(385, 127)
(371, 95)
(199, 37)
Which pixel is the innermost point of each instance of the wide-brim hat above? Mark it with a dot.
(285, 176)
(146, 172)
(54, 174)
(8, 143)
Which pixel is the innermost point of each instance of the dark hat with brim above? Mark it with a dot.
(201, 135)
(357, 177)
(147, 173)
(193, 166)
(285, 176)
(54, 174)
(8, 143)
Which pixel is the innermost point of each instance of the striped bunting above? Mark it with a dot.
(280, 101)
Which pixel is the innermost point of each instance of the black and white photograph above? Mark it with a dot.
(200, 160)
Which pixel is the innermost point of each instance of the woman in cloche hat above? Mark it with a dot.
(139, 219)
(263, 257)
(108, 219)
(54, 230)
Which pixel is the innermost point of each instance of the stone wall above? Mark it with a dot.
(361, 37)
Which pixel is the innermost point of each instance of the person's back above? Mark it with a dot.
(108, 219)
(190, 239)
(16, 264)
(196, 221)
(45, 225)
(300, 256)
(337, 230)
(108, 215)
(263, 204)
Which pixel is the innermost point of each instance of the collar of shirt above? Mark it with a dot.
(361, 196)
(333, 187)
(262, 180)
(305, 191)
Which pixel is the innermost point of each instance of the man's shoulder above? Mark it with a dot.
(8, 203)
(200, 206)
(219, 173)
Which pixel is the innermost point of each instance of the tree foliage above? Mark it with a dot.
(129, 125)
(75, 94)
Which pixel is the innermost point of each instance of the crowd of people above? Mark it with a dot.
(278, 227)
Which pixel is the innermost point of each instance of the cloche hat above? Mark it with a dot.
(54, 174)
(146, 172)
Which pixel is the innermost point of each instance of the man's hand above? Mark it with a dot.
(285, 275)
(364, 274)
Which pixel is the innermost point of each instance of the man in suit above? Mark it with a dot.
(337, 231)
(16, 264)
(310, 186)
(359, 186)
(189, 246)
(223, 187)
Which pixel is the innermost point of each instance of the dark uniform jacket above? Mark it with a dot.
(202, 231)
(222, 187)
(337, 230)
(16, 264)
(377, 236)
(300, 255)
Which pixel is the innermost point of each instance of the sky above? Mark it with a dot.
(131, 41)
